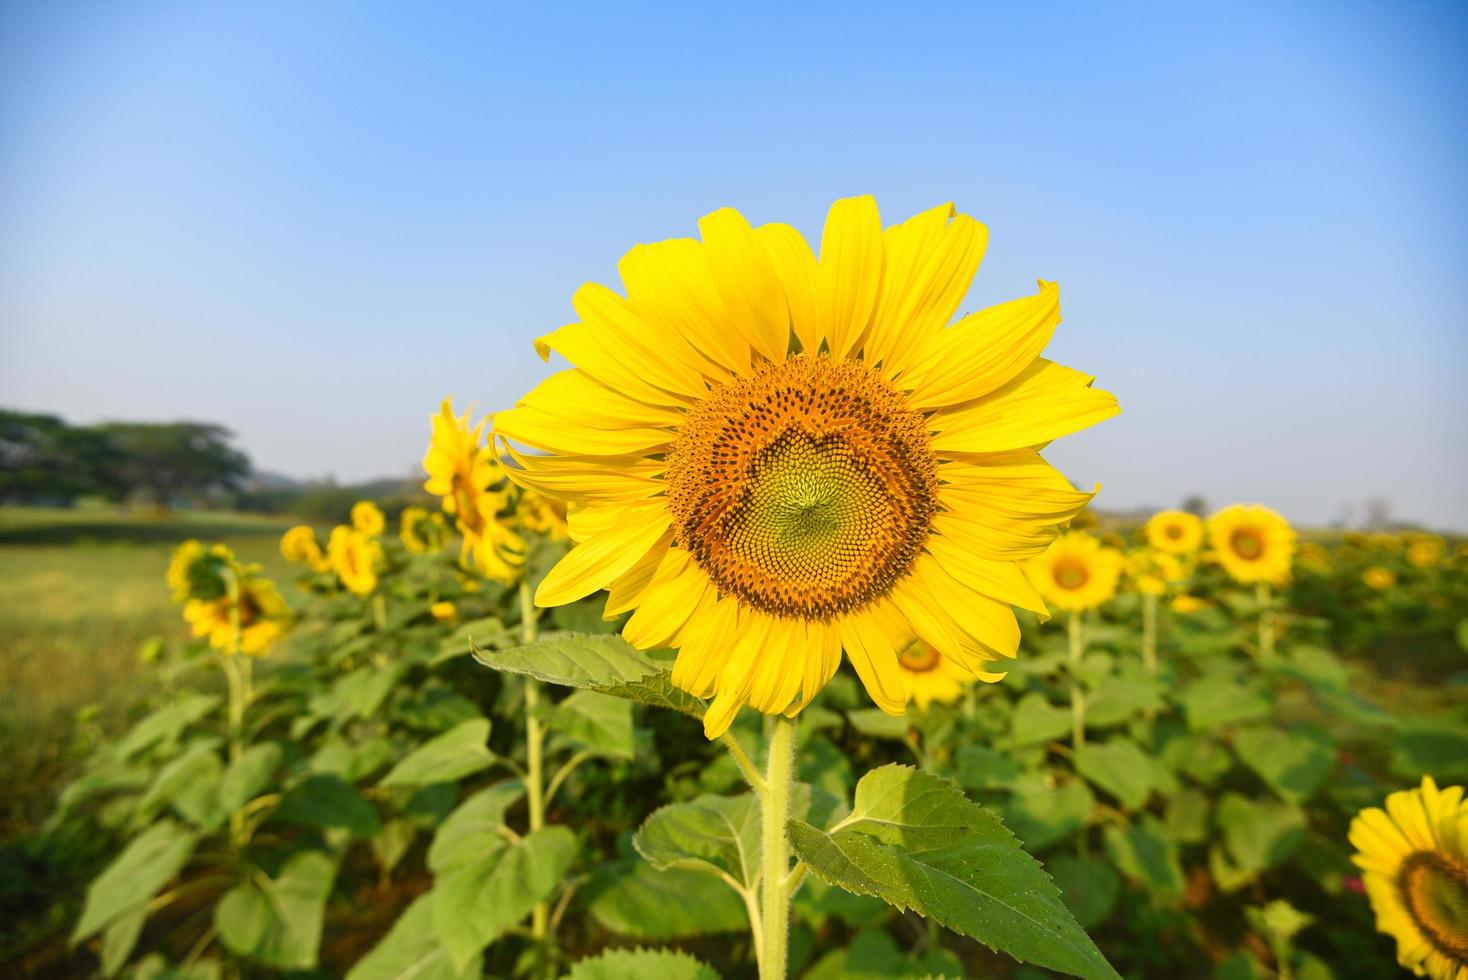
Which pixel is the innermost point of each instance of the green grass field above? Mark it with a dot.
(81, 592)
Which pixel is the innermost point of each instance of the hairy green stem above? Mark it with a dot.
(534, 762)
(775, 813)
(1077, 697)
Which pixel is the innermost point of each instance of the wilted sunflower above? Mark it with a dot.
(263, 617)
(355, 558)
(299, 545)
(422, 533)
(367, 518)
(462, 470)
(1379, 578)
(1174, 531)
(1414, 858)
(930, 677)
(1253, 543)
(773, 459)
(1077, 572)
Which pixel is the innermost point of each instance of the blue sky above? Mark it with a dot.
(311, 221)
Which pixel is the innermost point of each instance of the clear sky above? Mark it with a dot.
(310, 222)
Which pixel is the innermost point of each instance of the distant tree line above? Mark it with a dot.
(46, 460)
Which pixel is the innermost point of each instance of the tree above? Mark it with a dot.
(44, 459)
(165, 462)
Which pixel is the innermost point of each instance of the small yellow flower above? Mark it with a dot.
(299, 545)
(262, 618)
(1186, 604)
(1077, 572)
(930, 677)
(444, 611)
(1174, 531)
(462, 470)
(199, 571)
(1414, 861)
(422, 533)
(1253, 544)
(1426, 550)
(1152, 572)
(355, 557)
(1379, 578)
(367, 518)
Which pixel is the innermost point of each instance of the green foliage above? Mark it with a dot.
(630, 964)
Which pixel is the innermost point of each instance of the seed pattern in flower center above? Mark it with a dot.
(1434, 890)
(806, 490)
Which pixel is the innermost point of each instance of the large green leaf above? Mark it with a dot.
(596, 722)
(458, 752)
(326, 801)
(411, 951)
(605, 663)
(248, 775)
(1216, 700)
(119, 939)
(1035, 719)
(148, 862)
(641, 964)
(277, 921)
(1041, 814)
(914, 840)
(359, 693)
(1144, 852)
(635, 899)
(1089, 888)
(980, 767)
(1259, 835)
(165, 724)
(475, 827)
(476, 900)
(719, 835)
(1293, 764)
(1119, 767)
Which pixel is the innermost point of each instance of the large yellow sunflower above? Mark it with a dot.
(1252, 543)
(1077, 572)
(462, 470)
(1414, 859)
(263, 618)
(774, 458)
(356, 557)
(1174, 531)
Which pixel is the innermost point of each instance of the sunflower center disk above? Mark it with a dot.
(1247, 544)
(919, 658)
(805, 490)
(1435, 893)
(1071, 574)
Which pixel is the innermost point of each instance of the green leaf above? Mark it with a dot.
(873, 955)
(351, 761)
(148, 862)
(596, 722)
(482, 634)
(1213, 701)
(119, 939)
(358, 694)
(641, 964)
(411, 951)
(436, 710)
(1120, 699)
(1436, 749)
(1144, 852)
(155, 967)
(475, 901)
(1293, 763)
(1316, 666)
(1041, 815)
(474, 827)
(327, 801)
(1259, 835)
(456, 753)
(1035, 719)
(1119, 767)
(199, 763)
(605, 663)
(165, 724)
(277, 921)
(1186, 817)
(248, 775)
(632, 898)
(878, 724)
(1089, 888)
(914, 840)
(719, 835)
(980, 767)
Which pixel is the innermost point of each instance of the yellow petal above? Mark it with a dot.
(670, 283)
(676, 592)
(597, 563)
(871, 651)
(1002, 580)
(795, 264)
(600, 354)
(1045, 402)
(575, 395)
(627, 591)
(585, 478)
(852, 260)
(659, 355)
(532, 427)
(747, 281)
(708, 638)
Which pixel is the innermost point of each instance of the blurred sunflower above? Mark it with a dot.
(1426, 550)
(299, 545)
(1077, 572)
(421, 532)
(462, 470)
(1252, 543)
(1313, 556)
(543, 515)
(930, 677)
(263, 617)
(367, 518)
(1174, 531)
(355, 558)
(773, 458)
(1414, 859)
(1379, 578)
(443, 611)
(1152, 571)
(1186, 604)
(200, 571)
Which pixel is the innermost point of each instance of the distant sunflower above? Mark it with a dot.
(774, 458)
(299, 545)
(367, 518)
(1379, 578)
(542, 515)
(263, 618)
(1414, 859)
(200, 571)
(462, 470)
(356, 558)
(930, 677)
(1186, 604)
(1253, 543)
(443, 611)
(1426, 550)
(1077, 572)
(1174, 531)
(1153, 572)
(421, 532)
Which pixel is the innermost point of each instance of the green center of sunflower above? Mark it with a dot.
(1434, 889)
(1071, 573)
(805, 490)
(1247, 543)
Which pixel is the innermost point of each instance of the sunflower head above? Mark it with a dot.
(1414, 861)
(1313, 556)
(1379, 578)
(1186, 604)
(256, 608)
(299, 545)
(1153, 572)
(356, 558)
(200, 571)
(775, 457)
(1426, 550)
(422, 532)
(931, 678)
(367, 518)
(463, 471)
(1077, 572)
(1174, 531)
(1252, 543)
(444, 611)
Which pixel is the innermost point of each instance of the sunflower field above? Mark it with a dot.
(761, 640)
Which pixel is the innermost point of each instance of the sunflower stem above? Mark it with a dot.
(1266, 622)
(1149, 632)
(379, 612)
(775, 813)
(535, 766)
(746, 765)
(1077, 697)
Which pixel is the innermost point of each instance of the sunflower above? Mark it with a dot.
(1187, 604)
(200, 571)
(367, 518)
(421, 532)
(1077, 572)
(773, 459)
(1379, 578)
(542, 515)
(1252, 543)
(1151, 571)
(263, 618)
(1313, 556)
(462, 470)
(355, 557)
(1174, 531)
(299, 545)
(1414, 859)
(930, 677)
(1426, 550)
(443, 611)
